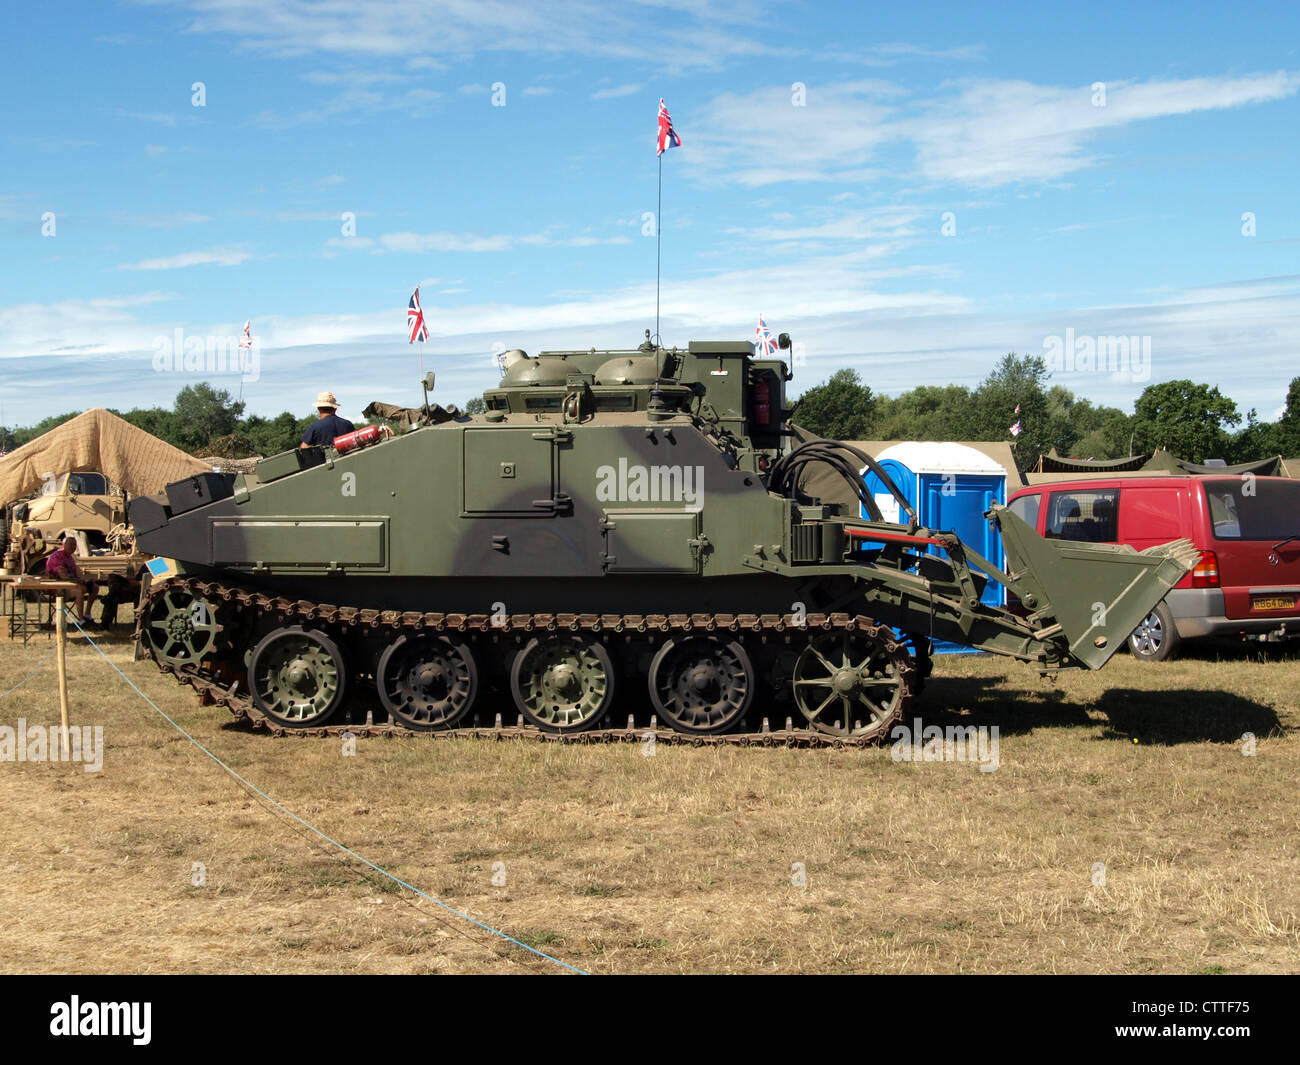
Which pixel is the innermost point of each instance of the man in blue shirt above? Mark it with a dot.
(321, 433)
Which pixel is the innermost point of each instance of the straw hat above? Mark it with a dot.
(326, 399)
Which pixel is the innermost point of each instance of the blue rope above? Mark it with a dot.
(29, 675)
(308, 824)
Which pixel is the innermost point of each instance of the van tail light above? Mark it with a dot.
(1205, 574)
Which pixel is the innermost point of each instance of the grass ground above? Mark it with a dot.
(680, 862)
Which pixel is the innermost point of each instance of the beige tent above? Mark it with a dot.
(824, 483)
(96, 440)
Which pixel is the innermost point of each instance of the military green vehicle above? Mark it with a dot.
(618, 528)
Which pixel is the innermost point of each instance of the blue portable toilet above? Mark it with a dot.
(950, 486)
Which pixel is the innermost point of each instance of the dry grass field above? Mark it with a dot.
(681, 862)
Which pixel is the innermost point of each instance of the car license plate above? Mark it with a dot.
(1272, 602)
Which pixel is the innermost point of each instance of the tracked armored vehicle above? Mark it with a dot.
(619, 529)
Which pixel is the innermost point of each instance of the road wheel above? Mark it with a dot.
(562, 683)
(427, 682)
(1156, 638)
(701, 684)
(298, 677)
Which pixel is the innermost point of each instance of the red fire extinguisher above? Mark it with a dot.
(361, 438)
(762, 403)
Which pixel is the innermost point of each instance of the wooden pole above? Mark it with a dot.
(61, 641)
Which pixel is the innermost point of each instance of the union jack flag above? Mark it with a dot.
(764, 342)
(246, 341)
(1015, 429)
(415, 318)
(667, 135)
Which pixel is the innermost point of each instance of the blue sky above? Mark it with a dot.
(1111, 213)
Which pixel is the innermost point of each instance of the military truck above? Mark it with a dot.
(619, 528)
(88, 507)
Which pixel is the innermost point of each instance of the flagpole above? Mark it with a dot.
(659, 244)
(417, 292)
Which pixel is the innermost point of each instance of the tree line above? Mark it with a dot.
(202, 421)
(1194, 421)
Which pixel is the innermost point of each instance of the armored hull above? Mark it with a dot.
(619, 529)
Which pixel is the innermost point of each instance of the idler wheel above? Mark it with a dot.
(853, 683)
(180, 628)
(297, 677)
(427, 682)
(701, 684)
(562, 683)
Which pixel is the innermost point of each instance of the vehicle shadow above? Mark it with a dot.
(1183, 716)
(984, 701)
(1159, 717)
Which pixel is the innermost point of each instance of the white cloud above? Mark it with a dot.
(160, 117)
(420, 243)
(704, 35)
(761, 137)
(537, 90)
(997, 132)
(354, 100)
(616, 91)
(1241, 336)
(982, 133)
(426, 242)
(211, 257)
(884, 55)
(882, 223)
(102, 324)
(165, 220)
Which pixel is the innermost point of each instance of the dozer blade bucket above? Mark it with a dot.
(1093, 595)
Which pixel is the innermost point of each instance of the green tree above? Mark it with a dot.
(1186, 418)
(270, 436)
(927, 412)
(204, 413)
(22, 436)
(840, 409)
(475, 405)
(158, 421)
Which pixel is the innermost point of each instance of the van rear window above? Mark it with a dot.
(1090, 516)
(1253, 508)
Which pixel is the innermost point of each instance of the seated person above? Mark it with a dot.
(62, 566)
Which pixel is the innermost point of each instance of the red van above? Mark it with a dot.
(1247, 529)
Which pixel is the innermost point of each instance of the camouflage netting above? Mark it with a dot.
(96, 440)
(228, 465)
(230, 446)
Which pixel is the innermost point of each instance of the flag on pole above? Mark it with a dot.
(764, 342)
(415, 318)
(246, 341)
(667, 135)
(1017, 410)
(1015, 429)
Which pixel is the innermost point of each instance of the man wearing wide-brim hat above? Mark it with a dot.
(321, 433)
